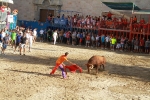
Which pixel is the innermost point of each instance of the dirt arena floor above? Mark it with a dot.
(126, 76)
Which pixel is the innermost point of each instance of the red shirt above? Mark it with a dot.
(88, 37)
(142, 21)
(109, 15)
(141, 42)
(145, 26)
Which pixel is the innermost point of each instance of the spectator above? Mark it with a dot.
(5, 43)
(23, 44)
(147, 46)
(141, 45)
(136, 45)
(55, 35)
(34, 34)
(109, 16)
(118, 43)
(122, 43)
(41, 35)
(107, 42)
(102, 41)
(88, 38)
(113, 43)
(97, 41)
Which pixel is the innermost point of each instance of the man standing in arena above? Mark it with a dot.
(23, 43)
(60, 64)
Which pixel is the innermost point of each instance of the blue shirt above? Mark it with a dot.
(81, 36)
(18, 39)
(103, 38)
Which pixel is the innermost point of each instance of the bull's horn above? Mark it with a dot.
(91, 66)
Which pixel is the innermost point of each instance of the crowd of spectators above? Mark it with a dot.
(19, 39)
(91, 40)
(108, 20)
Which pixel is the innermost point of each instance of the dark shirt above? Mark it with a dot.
(23, 40)
(118, 40)
(5, 40)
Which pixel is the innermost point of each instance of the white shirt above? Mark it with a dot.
(41, 32)
(3, 34)
(34, 32)
(97, 38)
(92, 38)
(107, 39)
(30, 38)
(27, 35)
(74, 35)
(55, 34)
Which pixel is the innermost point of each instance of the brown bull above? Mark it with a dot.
(96, 62)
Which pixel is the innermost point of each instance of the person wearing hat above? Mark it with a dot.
(60, 64)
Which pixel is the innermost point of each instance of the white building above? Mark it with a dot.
(38, 9)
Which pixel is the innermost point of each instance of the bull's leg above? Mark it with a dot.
(103, 66)
(97, 69)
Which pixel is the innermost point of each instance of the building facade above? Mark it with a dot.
(38, 9)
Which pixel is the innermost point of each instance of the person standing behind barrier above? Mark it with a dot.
(64, 37)
(81, 39)
(147, 46)
(41, 35)
(68, 37)
(107, 42)
(102, 41)
(118, 43)
(132, 45)
(34, 34)
(74, 38)
(61, 36)
(55, 35)
(122, 43)
(113, 42)
(136, 45)
(78, 38)
(92, 40)
(88, 38)
(97, 41)
(141, 45)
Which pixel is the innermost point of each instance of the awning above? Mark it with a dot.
(121, 5)
(147, 11)
(7, 1)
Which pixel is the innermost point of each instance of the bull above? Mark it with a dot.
(96, 62)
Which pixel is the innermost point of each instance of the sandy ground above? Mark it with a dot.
(126, 76)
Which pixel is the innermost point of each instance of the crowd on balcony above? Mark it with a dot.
(109, 20)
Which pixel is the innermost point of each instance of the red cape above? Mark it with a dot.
(73, 68)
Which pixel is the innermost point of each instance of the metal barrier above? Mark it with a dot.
(45, 25)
